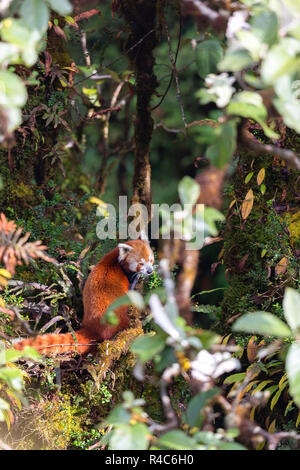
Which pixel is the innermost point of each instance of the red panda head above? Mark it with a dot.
(136, 256)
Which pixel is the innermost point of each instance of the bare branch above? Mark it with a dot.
(107, 66)
(175, 60)
(205, 10)
(172, 421)
(102, 171)
(248, 140)
(84, 48)
(174, 70)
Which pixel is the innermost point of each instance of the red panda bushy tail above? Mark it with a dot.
(53, 343)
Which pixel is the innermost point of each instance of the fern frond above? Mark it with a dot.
(15, 249)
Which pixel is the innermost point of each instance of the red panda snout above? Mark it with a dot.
(136, 257)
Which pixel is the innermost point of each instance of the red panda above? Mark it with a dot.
(112, 277)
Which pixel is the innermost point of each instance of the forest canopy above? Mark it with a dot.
(157, 144)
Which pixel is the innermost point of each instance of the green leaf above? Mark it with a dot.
(136, 299)
(265, 27)
(293, 5)
(212, 215)
(262, 323)
(177, 440)
(3, 404)
(62, 7)
(277, 396)
(248, 177)
(13, 116)
(209, 53)
(147, 346)
(250, 105)
(118, 416)
(251, 42)
(263, 188)
(131, 298)
(220, 152)
(12, 90)
(196, 404)
(188, 190)
(208, 438)
(235, 60)
(235, 378)
(202, 134)
(15, 31)
(291, 308)
(35, 15)
(290, 111)
(12, 355)
(8, 53)
(280, 60)
(134, 437)
(13, 377)
(232, 446)
(293, 371)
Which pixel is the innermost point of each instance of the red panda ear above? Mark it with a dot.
(124, 249)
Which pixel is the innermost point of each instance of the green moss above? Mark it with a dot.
(293, 223)
(48, 424)
(152, 399)
(255, 247)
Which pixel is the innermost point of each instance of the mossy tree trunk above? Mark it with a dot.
(28, 166)
(141, 18)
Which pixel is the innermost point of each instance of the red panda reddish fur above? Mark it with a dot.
(107, 281)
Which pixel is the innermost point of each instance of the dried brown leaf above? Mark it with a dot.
(247, 204)
(261, 176)
(281, 267)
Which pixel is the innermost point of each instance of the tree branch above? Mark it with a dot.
(248, 140)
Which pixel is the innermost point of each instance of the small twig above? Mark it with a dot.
(248, 140)
(79, 262)
(170, 415)
(34, 308)
(84, 48)
(182, 69)
(247, 425)
(274, 439)
(107, 66)
(167, 129)
(168, 282)
(74, 345)
(24, 323)
(102, 171)
(58, 375)
(174, 70)
(104, 111)
(205, 10)
(223, 347)
(175, 61)
(28, 285)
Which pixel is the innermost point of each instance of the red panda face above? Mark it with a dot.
(136, 256)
